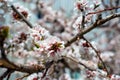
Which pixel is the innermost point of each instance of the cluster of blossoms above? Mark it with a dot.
(47, 44)
(38, 43)
(85, 7)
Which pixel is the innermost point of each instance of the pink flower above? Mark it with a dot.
(22, 10)
(80, 5)
(54, 48)
(97, 2)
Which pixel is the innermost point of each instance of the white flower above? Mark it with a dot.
(88, 18)
(20, 53)
(91, 65)
(31, 62)
(32, 76)
(106, 56)
(102, 73)
(115, 77)
(81, 5)
(8, 0)
(78, 22)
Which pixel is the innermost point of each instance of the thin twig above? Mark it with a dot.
(9, 74)
(24, 19)
(4, 75)
(48, 65)
(78, 62)
(23, 77)
(98, 54)
(108, 9)
(3, 56)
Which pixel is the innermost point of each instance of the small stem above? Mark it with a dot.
(24, 19)
(78, 62)
(2, 51)
(48, 65)
(108, 9)
(98, 54)
(6, 73)
(23, 77)
(9, 74)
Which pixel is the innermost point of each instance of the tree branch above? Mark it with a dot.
(96, 24)
(21, 68)
(9, 74)
(4, 74)
(79, 62)
(24, 19)
(98, 55)
(107, 9)
(20, 78)
(2, 50)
